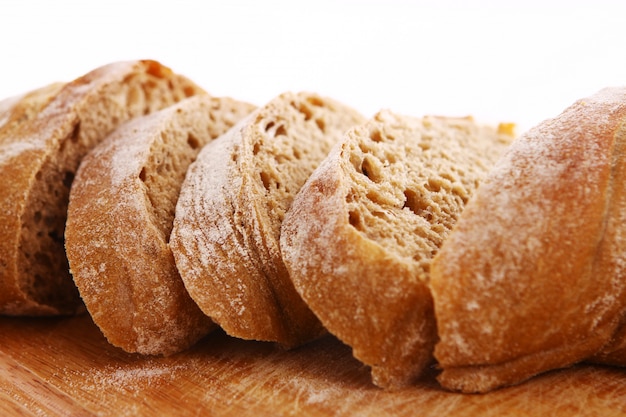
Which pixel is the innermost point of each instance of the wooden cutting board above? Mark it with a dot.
(65, 367)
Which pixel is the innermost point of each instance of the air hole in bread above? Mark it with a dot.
(269, 126)
(354, 217)
(321, 124)
(416, 204)
(281, 158)
(302, 108)
(192, 141)
(75, 132)
(68, 178)
(379, 214)
(375, 197)
(143, 175)
(257, 148)
(356, 162)
(364, 148)
(266, 180)
(55, 235)
(371, 170)
(376, 136)
(447, 176)
(296, 153)
(434, 185)
(280, 130)
(316, 101)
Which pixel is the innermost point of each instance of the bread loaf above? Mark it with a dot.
(119, 221)
(228, 217)
(532, 277)
(360, 235)
(40, 159)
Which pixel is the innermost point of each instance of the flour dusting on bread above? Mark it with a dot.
(360, 235)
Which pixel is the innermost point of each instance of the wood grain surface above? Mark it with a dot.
(65, 367)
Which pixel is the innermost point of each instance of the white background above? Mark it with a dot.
(498, 61)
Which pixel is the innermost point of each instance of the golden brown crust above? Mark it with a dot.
(531, 278)
(16, 111)
(361, 233)
(368, 311)
(120, 217)
(41, 160)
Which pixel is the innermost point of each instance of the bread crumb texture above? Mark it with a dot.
(227, 225)
(120, 217)
(359, 237)
(42, 157)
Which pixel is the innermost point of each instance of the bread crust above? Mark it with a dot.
(531, 279)
(119, 223)
(367, 290)
(357, 289)
(40, 160)
(15, 111)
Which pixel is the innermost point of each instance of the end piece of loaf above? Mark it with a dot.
(38, 162)
(120, 217)
(360, 236)
(228, 217)
(532, 277)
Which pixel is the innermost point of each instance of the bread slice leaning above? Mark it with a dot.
(228, 217)
(360, 235)
(119, 221)
(37, 166)
(532, 277)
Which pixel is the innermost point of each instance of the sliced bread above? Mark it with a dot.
(360, 235)
(37, 166)
(119, 221)
(226, 231)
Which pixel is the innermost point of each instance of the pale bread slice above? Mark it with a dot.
(227, 224)
(37, 165)
(360, 235)
(119, 221)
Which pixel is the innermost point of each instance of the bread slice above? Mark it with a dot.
(119, 221)
(228, 217)
(37, 165)
(532, 278)
(360, 235)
